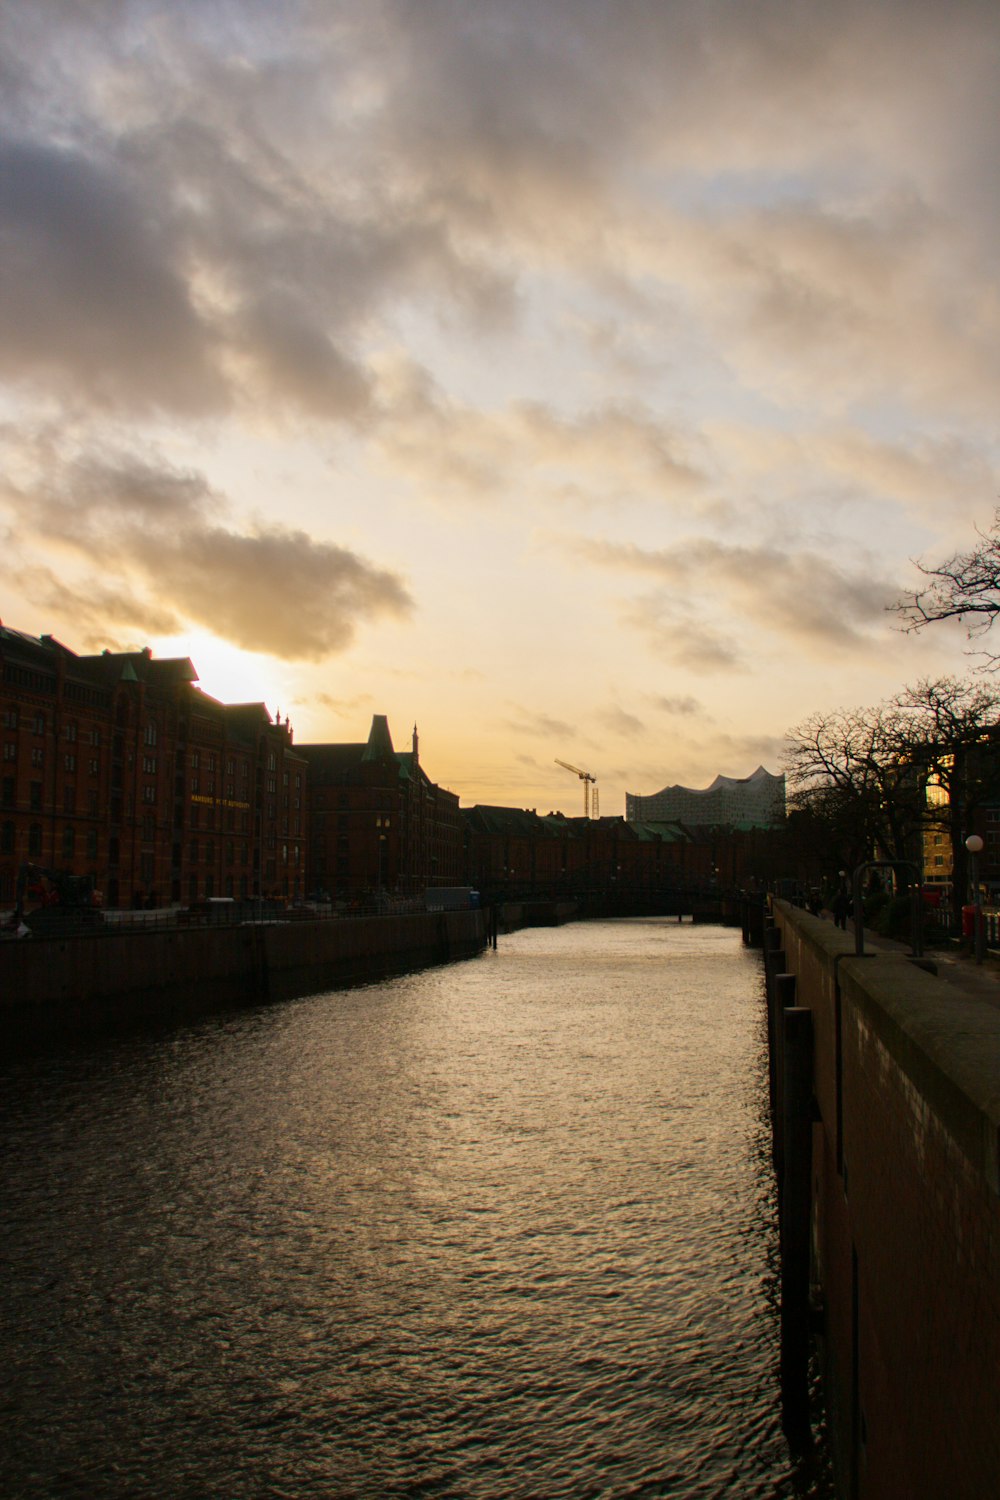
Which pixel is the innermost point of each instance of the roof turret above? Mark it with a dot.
(379, 746)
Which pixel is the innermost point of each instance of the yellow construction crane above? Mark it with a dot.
(591, 803)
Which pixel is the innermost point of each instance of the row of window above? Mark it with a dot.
(38, 758)
(210, 762)
(10, 719)
(205, 817)
(197, 852)
(8, 840)
(205, 853)
(272, 781)
(93, 737)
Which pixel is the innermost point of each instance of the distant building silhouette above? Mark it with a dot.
(756, 801)
(118, 767)
(377, 821)
(516, 852)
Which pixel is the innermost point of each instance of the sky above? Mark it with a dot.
(578, 379)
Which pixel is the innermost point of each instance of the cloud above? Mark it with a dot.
(841, 304)
(682, 707)
(298, 363)
(619, 721)
(796, 593)
(184, 240)
(941, 479)
(528, 721)
(676, 632)
(695, 762)
(162, 531)
(92, 307)
(204, 210)
(98, 609)
(732, 266)
(271, 589)
(611, 451)
(344, 708)
(760, 749)
(104, 488)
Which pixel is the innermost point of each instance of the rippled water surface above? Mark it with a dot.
(503, 1228)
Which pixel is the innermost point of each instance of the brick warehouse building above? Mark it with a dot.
(516, 852)
(118, 766)
(377, 821)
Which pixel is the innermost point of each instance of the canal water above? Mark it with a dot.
(504, 1228)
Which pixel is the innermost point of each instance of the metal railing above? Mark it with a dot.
(58, 922)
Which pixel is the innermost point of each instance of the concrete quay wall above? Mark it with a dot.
(903, 1208)
(80, 982)
(513, 915)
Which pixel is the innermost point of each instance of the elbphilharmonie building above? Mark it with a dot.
(756, 801)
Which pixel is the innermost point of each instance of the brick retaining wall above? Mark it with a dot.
(905, 1216)
(46, 984)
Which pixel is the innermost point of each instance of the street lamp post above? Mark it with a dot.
(974, 844)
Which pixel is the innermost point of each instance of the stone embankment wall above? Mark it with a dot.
(53, 985)
(901, 1208)
(512, 915)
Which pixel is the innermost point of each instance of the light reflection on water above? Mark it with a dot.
(504, 1228)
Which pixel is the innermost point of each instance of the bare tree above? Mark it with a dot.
(951, 730)
(845, 768)
(966, 587)
(865, 778)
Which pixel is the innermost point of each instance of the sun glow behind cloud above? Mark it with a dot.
(227, 673)
(377, 383)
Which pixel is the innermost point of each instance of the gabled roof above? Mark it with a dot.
(510, 822)
(332, 763)
(516, 822)
(249, 713)
(105, 668)
(339, 762)
(21, 637)
(139, 666)
(670, 832)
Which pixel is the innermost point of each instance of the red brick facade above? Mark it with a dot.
(518, 853)
(377, 821)
(119, 767)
